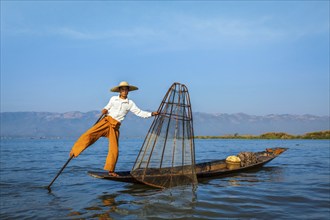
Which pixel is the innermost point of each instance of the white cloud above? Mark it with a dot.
(73, 33)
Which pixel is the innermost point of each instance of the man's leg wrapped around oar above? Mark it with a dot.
(100, 129)
(107, 127)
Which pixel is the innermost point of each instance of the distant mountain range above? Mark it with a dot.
(73, 124)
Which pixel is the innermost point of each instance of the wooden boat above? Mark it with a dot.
(212, 169)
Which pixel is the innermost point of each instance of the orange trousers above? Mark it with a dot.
(107, 127)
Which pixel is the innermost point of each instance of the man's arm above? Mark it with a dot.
(141, 113)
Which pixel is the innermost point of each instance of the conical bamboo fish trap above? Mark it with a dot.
(167, 156)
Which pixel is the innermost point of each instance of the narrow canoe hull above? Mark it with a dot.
(212, 169)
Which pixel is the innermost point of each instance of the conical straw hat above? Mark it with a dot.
(123, 83)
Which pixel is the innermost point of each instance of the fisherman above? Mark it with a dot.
(115, 112)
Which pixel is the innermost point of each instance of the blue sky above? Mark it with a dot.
(253, 57)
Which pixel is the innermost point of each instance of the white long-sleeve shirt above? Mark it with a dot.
(118, 108)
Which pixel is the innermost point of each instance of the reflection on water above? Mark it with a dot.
(139, 201)
(108, 200)
(248, 178)
(110, 205)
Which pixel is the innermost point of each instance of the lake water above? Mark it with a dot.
(296, 185)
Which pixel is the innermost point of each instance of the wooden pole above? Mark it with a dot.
(59, 173)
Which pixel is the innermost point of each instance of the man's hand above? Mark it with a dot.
(154, 113)
(104, 111)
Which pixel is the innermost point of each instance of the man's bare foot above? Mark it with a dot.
(111, 173)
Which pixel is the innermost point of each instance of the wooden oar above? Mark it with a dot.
(68, 160)
(59, 173)
(99, 119)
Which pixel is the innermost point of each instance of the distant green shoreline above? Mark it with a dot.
(273, 135)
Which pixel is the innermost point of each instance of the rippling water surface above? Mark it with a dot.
(296, 185)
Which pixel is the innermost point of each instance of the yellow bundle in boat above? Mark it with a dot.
(233, 159)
